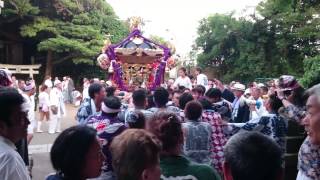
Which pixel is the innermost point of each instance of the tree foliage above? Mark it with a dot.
(70, 29)
(312, 71)
(20, 8)
(162, 41)
(273, 42)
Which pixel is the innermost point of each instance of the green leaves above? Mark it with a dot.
(312, 72)
(74, 26)
(20, 8)
(276, 43)
(39, 24)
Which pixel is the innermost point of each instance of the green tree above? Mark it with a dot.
(312, 72)
(70, 29)
(15, 9)
(162, 41)
(275, 42)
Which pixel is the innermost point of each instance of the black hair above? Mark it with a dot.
(9, 98)
(110, 91)
(69, 151)
(161, 97)
(184, 99)
(252, 156)
(181, 88)
(214, 93)
(298, 96)
(136, 120)
(199, 89)
(193, 110)
(198, 69)
(203, 89)
(264, 89)
(275, 103)
(150, 101)
(183, 69)
(113, 103)
(177, 91)
(206, 104)
(170, 131)
(139, 97)
(94, 88)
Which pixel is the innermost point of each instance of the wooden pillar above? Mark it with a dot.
(31, 73)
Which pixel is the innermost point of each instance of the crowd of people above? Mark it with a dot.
(186, 129)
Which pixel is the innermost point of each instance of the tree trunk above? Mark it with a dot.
(48, 71)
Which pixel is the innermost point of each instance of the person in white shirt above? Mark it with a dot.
(48, 82)
(29, 104)
(13, 127)
(65, 89)
(57, 108)
(14, 82)
(21, 85)
(44, 104)
(85, 92)
(202, 79)
(183, 79)
(256, 104)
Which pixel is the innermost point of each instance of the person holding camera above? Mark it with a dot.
(291, 93)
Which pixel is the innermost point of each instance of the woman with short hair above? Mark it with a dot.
(76, 154)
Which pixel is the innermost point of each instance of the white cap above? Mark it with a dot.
(239, 87)
(260, 85)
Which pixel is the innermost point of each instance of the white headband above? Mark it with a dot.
(106, 109)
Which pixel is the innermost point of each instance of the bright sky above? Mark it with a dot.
(176, 20)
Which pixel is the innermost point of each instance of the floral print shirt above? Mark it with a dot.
(309, 159)
(292, 113)
(309, 154)
(218, 138)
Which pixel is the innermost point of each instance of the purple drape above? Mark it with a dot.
(118, 70)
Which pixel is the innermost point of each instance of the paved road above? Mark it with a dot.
(41, 144)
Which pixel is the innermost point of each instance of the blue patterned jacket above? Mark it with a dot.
(84, 111)
(271, 125)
